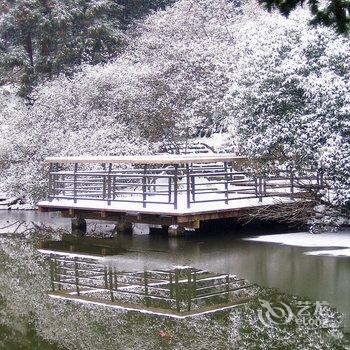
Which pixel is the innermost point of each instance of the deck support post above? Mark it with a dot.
(176, 230)
(123, 227)
(158, 230)
(78, 225)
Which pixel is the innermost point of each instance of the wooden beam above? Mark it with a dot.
(154, 159)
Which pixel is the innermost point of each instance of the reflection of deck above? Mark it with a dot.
(180, 292)
(167, 190)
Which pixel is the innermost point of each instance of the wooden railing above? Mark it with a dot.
(168, 185)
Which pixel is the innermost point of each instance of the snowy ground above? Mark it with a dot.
(337, 243)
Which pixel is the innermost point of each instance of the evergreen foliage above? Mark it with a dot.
(335, 13)
(42, 38)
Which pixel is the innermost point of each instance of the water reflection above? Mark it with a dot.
(182, 291)
(29, 316)
(269, 265)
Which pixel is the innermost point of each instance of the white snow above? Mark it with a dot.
(333, 252)
(336, 240)
(71, 255)
(149, 159)
(144, 311)
(167, 208)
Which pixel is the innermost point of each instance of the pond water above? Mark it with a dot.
(203, 291)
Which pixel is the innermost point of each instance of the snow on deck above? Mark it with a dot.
(150, 159)
(164, 208)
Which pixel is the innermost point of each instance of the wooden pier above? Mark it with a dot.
(177, 191)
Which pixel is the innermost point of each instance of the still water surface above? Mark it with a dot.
(31, 319)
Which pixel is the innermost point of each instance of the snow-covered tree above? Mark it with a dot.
(291, 99)
(41, 38)
(333, 13)
(277, 86)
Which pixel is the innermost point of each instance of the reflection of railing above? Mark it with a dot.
(179, 290)
(175, 185)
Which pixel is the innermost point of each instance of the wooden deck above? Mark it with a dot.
(167, 189)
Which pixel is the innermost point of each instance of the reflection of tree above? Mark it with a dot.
(25, 281)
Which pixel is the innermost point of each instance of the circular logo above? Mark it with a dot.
(274, 314)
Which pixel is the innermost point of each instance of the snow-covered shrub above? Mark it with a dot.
(290, 98)
(278, 86)
(54, 127)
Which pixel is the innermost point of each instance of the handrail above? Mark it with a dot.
(182, 184)
(150, 159)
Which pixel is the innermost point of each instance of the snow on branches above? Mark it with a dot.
(277, 86)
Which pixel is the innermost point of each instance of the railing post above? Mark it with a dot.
(256, 186)
(144, 186)
(228, 287)
(110, 273)
(169, 189)
(109, 184)
(75, 182)
(171, 287)
(145, 276)
(57, 274)
(194, 284)
(189, 290)
(321, 181)
(51, 183)
(260, 189)
(52, 273)
(105, 276)
(226, 182)
(176, 174)
(104, 182)
(291, 183)
(177, 292)
(193, 188)
(76, 270)
(115, 279)
(188, 186)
